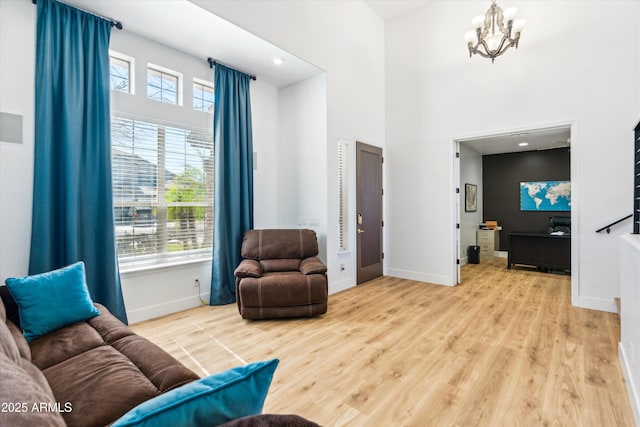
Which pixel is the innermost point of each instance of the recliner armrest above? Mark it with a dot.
(312, 265)
(248, 268)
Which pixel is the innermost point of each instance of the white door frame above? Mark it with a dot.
(575, 193)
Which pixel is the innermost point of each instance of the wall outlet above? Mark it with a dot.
(196, 282)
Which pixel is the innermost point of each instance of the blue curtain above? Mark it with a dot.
(72, 196)
(233, 197)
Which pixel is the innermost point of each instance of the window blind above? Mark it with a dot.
(162, 190)
(343, 202)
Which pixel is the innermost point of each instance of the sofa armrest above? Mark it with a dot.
(248, 268)
(312, 265)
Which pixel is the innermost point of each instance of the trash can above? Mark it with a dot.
(473, 254)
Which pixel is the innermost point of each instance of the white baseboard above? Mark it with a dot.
(632, 388)
(153, 311)
(421, 277)
(341, 285)
(600, 304)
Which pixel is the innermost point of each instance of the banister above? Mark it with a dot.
(608, 227)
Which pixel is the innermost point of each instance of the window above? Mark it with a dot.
(163, 85)
(343, 202)
(120, 72)
(162, 191)
(202, 96)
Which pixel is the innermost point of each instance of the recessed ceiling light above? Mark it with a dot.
(523, 144)
(278, 61)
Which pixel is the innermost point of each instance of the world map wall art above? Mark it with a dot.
(545, 196)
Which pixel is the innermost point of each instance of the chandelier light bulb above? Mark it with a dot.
(518, 25)
(510, 13)
(470, 37)
(477, 21)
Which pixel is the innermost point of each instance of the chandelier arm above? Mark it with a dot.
(481, 53)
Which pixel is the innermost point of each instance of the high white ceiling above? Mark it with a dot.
(185, 26)
(541, 139)
(389, 9)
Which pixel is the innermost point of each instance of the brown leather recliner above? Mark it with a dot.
(281, 275)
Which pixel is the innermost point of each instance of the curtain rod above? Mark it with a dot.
(213, 62)
(114, 23)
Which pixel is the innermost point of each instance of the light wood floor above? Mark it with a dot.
(506, 348)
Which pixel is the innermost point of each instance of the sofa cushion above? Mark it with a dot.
(101, 384)
(3, 312)
(40, 298)
(8, 346)
(213, 400)
(21, 342)
(10, 306)
(20, 390)
(110, 328)
(164, 371)
(64, 344)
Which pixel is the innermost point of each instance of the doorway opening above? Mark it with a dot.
(495, 166)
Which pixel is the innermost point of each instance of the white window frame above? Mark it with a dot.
(173, 73)
(132, 68)
(201, 82)
(165, 258)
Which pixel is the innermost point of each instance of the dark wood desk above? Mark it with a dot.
(541, 250)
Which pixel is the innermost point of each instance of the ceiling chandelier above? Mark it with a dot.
(491, 36)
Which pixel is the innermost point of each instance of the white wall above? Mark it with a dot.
(629, 348)
(564, 71)
(302, 199)
(17, 56)
(346, 40)
(471, 173)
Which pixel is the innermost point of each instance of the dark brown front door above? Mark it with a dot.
(369, 211)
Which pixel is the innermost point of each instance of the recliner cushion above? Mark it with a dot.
(278, 244)
(283, 290)
(274, 265)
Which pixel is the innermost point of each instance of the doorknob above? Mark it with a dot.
(360, 231)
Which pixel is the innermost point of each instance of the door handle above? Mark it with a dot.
(360, 231)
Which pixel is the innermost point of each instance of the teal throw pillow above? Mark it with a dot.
(213, 400)
(52, 300)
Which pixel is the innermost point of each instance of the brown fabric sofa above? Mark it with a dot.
(281, 275)
(88, 374)
(91, 373)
